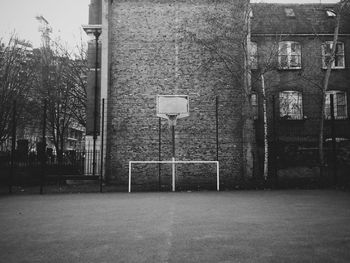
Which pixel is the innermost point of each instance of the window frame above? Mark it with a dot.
(255, 104)
(327, 111)
(333, 66)
(289, 12)
(253, 55)
(289, 54)
(331, 13)
(287, 113)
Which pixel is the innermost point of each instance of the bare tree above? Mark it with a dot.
(320, 79)
(17, 77)
(64, 88)
(226, 30)
(340, 8)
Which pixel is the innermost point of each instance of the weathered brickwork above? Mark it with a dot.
(150, 56)
(306, 80)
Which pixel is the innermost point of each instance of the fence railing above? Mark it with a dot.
(294, 150)
(69, 163)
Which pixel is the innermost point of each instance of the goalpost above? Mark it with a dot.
(173, 107)
(173, 162)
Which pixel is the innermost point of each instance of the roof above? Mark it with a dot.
(308, 19)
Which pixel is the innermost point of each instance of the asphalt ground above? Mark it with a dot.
(239, 226)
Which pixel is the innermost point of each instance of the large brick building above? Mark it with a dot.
(292, 43)
(145, 52)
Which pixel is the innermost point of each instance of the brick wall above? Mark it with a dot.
(308, 81)
(150, 56)
(295, 134)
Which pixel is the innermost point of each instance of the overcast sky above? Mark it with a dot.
(64, 16)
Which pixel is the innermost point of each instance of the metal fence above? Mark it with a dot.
(294, 149)
(27, 155)
(27, 169)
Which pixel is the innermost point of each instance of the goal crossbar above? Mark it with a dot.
(173, 162)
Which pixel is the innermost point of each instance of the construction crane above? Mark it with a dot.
(45, 30)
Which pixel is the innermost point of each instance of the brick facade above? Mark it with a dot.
(150, 56)
(149, 53)
(310, 28)
(308, 81)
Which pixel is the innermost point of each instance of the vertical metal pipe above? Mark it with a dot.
(159, 151)
(173, 159)
(173, 138)
(97, 34)
(102, 138)
(173, 174)
(334, 144)
(43, 157)
(13, 146)
(217, 126)
(217, 176)
(129, 188)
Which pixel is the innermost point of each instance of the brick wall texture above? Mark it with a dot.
(314, 28)
(150, 55)
(307, 80)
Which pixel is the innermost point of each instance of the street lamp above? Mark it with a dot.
(94, 30)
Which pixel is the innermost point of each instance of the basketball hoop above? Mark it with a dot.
(172, 119)
(168, 105)
(172, 107)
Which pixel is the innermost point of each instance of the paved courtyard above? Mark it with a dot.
(240, 226)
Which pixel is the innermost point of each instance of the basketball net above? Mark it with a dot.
(172, 119)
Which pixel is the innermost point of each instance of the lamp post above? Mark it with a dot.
(94, 30)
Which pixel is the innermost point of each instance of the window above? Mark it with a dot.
(339, 58)
(254, 101)
(253, 55)
(340, 105)
(289, 55)
(289, 12)
(291, 107)
(331, 13)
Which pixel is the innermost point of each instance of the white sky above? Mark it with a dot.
(64, 16)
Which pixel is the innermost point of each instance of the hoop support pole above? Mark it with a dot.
(173, 174)
(129, 188)
(217, 177)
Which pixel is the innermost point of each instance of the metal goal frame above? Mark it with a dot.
(173, 162)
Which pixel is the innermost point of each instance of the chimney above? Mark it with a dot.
(95, 12)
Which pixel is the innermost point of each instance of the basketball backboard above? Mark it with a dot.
(172, 105)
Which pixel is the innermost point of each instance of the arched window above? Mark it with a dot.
(289, 55)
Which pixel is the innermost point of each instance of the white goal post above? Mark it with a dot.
(173, 162)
